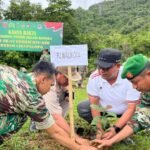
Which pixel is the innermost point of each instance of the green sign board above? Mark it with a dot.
(29, 36)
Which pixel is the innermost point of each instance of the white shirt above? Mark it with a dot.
(117, 95)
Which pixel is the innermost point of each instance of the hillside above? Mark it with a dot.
(122, 16)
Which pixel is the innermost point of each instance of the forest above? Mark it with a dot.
(121, 24)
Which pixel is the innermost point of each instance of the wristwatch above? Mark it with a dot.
(117, 129)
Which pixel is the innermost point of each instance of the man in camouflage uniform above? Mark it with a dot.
(45, 55)
(137, 71)
(21, 96)
(141, 118)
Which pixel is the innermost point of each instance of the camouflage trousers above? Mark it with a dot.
(11, 123)
(141, 119)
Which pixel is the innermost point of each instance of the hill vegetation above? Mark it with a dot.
(122, 24)
(121, 16)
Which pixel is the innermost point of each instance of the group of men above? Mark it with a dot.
(116, 89)
(137, 71)
(43, 96)
(107, 89)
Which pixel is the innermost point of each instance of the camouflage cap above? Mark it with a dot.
(75, 75)
(134, 66)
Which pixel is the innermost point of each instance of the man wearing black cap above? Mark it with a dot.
(137, 71)
(106, 88)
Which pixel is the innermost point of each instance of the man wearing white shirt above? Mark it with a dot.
(107, 89)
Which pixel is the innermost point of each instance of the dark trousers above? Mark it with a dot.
(84, 111)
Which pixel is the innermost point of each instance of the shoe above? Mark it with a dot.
(33, 127)
(128, 141)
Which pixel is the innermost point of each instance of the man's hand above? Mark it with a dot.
(99, 134)
(101, 143)
(83, 147)
(82, 141)
(109, 134)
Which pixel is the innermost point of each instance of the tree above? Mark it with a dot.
(60, 11)
(1, 9)
(22, 10)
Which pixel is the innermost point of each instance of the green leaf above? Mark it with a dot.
(95, 120)
(111, 114)
(98, 108)
(105, 122)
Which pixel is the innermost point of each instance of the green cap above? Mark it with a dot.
(134, 66)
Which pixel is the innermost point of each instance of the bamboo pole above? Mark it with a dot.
(71, 104)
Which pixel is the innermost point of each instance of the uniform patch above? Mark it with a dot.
(129, 75)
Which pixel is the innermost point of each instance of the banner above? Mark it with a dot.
(29, 36)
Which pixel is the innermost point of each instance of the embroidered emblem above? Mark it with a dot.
(129, 75)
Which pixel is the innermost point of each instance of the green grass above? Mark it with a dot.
(24, 140)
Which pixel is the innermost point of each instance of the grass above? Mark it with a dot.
(24, 140)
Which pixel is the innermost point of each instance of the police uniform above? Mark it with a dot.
(56, 101)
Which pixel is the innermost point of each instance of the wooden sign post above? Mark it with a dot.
(69, 55)
(71, 117)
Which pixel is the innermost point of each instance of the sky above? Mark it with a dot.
(75, 3)
(84, 3)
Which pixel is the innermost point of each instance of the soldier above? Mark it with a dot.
(21, 96)
(137, 71)
(45, 55)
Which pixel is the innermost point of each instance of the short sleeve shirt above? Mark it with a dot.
(55, 100)
(18, 95)
(117, 95)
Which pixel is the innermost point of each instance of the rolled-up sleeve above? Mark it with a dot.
(48, 122)
(37, 110)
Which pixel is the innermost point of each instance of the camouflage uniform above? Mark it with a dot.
(45, 57)
(19, 98)
(141, 118)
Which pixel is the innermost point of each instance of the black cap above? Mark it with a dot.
(107, 57)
